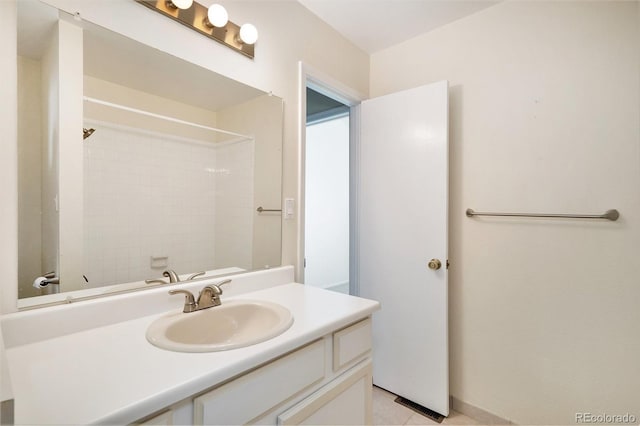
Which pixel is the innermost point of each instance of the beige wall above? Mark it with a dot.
(30, 175)
(262, 118)
(126, 96)
(70, 157)
(544, 118)
(8, 157)
(50, 153)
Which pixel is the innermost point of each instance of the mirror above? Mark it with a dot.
(171, 168)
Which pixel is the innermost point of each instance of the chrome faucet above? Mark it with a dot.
(209, 297)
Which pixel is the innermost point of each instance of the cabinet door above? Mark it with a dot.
(344, 401)
(164, 419)
(351, 344)
(251, 395)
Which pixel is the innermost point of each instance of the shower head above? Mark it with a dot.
(87, 132)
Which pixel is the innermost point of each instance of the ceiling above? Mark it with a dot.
(374, 25)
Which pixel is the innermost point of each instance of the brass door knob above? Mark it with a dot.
(434, 264)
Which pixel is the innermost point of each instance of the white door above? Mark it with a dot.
(402, 226)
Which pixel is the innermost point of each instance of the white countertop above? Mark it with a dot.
(111, 374)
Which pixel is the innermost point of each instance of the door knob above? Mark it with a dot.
(434, 264)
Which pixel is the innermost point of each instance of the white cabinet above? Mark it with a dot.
(163, 419)
(249, 396)
(327, 381)
(180, 413)
(351, 343)
(344, 401)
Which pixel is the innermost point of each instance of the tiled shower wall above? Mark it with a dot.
(150, 196)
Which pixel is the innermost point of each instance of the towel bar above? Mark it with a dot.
(612, 215)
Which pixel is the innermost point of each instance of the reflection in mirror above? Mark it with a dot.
(172, 164)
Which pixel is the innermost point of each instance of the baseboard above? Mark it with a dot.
(482, 416)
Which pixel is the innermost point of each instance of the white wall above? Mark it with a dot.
(234, 193)
(327, 204)
(148, 195)
(544, 118)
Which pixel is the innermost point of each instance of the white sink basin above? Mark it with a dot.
(231, 325)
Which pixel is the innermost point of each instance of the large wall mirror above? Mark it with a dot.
(133, 162)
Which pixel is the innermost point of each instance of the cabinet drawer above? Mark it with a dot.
(249, 396)
(351, 343)
(344, 401)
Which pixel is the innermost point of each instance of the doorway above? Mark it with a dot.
(326, 261)
(328, 204)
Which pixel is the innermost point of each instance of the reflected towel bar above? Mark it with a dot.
(612, 215)
(260, 210)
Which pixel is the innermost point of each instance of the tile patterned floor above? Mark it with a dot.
(387, 412)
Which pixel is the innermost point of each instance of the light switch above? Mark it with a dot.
(289, 205)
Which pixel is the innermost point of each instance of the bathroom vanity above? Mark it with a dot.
(327, 381)
(85, 367)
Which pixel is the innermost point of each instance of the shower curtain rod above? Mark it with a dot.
(162, 117)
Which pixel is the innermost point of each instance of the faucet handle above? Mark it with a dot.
(171, 274)
(210, 295)
(189, 300)
(217, 286)
(197, 274)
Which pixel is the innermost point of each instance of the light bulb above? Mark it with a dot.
(217, 15)
(248, 34)
(181, 4)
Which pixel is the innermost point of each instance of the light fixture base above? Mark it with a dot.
(194, 18)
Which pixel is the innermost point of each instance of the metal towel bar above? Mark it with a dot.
(260, 210)
(612, 215)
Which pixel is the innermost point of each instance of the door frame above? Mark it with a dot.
(322, 83)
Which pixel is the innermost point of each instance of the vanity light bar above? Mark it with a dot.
(195, 17)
